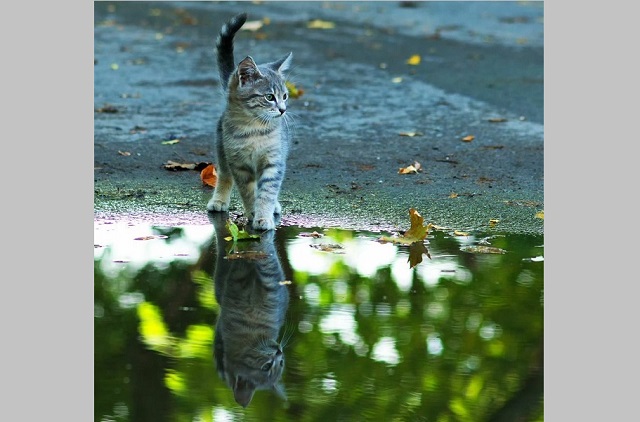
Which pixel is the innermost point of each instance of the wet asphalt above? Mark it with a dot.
(474, 103)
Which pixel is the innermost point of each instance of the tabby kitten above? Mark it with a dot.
(252, 134)
(253, 304)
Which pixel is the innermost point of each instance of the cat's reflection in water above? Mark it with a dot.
(253, 302)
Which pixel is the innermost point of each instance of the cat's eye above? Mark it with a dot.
(270, 97)
(267, 366)
(284, 96)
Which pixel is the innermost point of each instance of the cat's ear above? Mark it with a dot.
(283, 64)
(278, 388)
(243, 391)
(248, 71)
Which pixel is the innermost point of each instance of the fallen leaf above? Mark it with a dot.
(294, 91)
(459, 233)
(416, 250)
(540, 215)
(107, 108)
(410, 134)
(396, 80)
(284, 282)
(114, 66)
(453, 195)
(411, 169)
(496, 120)
(209, 176)
(175, 166)
(250, 255)
(151, 237)
(493, 222)
(482, 249)
(314, 234)
(320, 24)
(414, 60)
(125, 153)
(328, 247)
(171, 142)
(252, 26)
(468, 138)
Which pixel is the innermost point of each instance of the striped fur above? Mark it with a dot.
(252, 133)
(253, 304)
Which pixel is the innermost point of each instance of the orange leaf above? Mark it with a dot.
(468, 138)
(209, 175)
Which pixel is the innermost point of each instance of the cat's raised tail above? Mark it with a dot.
(224, 46)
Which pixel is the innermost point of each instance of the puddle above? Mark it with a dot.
(315, 324)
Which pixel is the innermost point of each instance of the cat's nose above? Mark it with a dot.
(282, 110)
(279, 352)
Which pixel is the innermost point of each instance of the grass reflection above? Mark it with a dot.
(456, 338)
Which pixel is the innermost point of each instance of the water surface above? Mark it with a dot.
(456, 337)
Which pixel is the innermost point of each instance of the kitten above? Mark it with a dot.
(252, 134)
(253, 303)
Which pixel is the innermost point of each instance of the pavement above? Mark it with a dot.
(473, 103)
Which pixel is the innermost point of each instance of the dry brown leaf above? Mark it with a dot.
(453, 195)
(468, 138)
(497, 119)
(209, 176)
(459, 233)
(125, 153)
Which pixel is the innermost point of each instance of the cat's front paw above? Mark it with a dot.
(264, 224)
(217, 205)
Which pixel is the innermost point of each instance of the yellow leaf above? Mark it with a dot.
(285, 282)
(540, 215)
(171, 142)
(468, 138)
(459, 233)
(125, 153)
(294, 91)
(407, 170)
(396, 80)
(320, 24)
(453, 195)
(252, 26)
(414, 60)
(410, 134)
(493, 222)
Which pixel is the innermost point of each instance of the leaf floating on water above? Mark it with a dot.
(124, 153)
(151, 237)
(171, 142)
(320, 24)
(482, 249)
(314, 234)
(459, 233)
(540, 215)
(493, 222)
(249, 255)
(410, 134)
(417, 232)
(453, 195)
(237, 234)
(328, 247)
(468, 138)
(209, 176)
(396, 80)
(414, 60)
